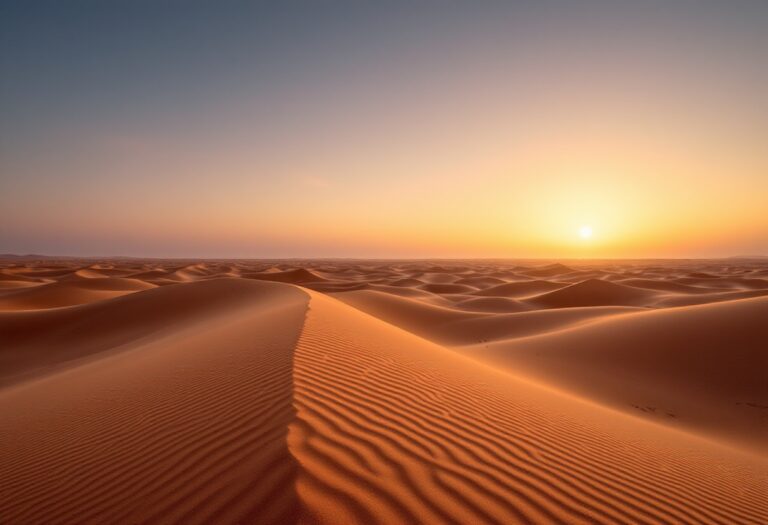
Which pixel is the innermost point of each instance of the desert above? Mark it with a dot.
(340, 391)
(383, 262)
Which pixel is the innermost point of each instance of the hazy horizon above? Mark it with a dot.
(32, 255)
(544, 130)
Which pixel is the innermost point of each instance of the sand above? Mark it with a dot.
(385, 392)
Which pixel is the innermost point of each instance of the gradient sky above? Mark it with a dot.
(384, 129)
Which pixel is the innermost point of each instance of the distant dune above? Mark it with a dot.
(520, 289)
(380, 392)
(594, 292)
(550, 270)
(70, 292)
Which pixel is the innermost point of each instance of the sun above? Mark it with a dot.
(585, 232)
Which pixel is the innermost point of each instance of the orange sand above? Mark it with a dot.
(383, 392)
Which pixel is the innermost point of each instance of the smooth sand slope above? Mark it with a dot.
(702, 367)
(594, 292)
(33, 341)
(383, 392)
(184, 426)
(451, 326)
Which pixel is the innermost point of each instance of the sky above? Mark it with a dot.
(384, 129)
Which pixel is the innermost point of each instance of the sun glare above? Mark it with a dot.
(585, 232)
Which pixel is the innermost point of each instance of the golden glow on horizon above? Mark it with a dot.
(466, 147)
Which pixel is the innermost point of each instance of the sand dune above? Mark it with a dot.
(97, 271)
(455, 327)
(300, 275)
(14, 276)
(187, 427)
(411, 314)
(407, 291)
(437, 276)
(480, 281)
(384, 392)
(520, 289)
(593, 292)
(407, 282)
(676, 300)
(448, 288)
(336, 286)
(700, 367)
(408, 432)
(665, 286)
(6, 284)
(31, 341)
(491, 304)
(70, 292)
(489, 328)
(550, 270)
(725, 283)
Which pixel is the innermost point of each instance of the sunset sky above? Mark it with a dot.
(384, 129)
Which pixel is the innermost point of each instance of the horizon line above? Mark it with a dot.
(6, 256)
